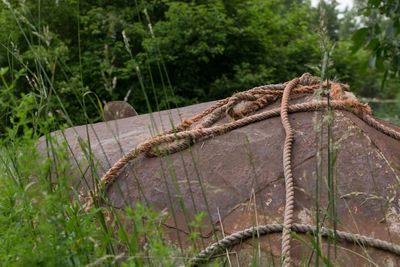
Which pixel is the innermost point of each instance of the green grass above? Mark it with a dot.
(42, 221)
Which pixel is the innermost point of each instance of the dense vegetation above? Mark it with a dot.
(172, 53)
(60, 60)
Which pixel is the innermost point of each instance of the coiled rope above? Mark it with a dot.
(238, 237)
(202, 126)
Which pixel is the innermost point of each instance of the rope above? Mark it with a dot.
(351, 105)
(198, 134)
(241, 108)
(238, 237)
(287, 170)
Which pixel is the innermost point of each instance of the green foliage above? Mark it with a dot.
(38, 223)
(212, 50)
(381, 34)
(43, 223)
(196, 224)
(18, 114)
(163, 54)
(186, 51)
(351, 67)
(329, 16)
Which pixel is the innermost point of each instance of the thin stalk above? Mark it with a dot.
(179, 195)
(203, 192)
(171, 205)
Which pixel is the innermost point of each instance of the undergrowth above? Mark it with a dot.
(43, 221)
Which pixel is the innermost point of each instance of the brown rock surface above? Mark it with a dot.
(222, 173)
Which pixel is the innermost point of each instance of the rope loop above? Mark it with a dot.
(243, 108)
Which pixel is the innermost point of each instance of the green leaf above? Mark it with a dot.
(122, 235)
(396, 25)
(3, 71)
(374, 3)
(380, 66)
(373, 44)
(359, 39)
(384, 79)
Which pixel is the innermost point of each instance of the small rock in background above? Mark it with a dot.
(115, 110)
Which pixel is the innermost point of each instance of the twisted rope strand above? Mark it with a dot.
(371, 121)
(188, 122)
(287, 169)
(259, 98)
(238, 237)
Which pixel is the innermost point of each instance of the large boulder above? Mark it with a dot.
(237, 178)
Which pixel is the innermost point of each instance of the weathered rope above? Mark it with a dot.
(238, 237)
(206, 133)
(239, 107)
(287, 170)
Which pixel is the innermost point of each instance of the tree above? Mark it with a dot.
(162, 53)
(329, 14)
(381, 34)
